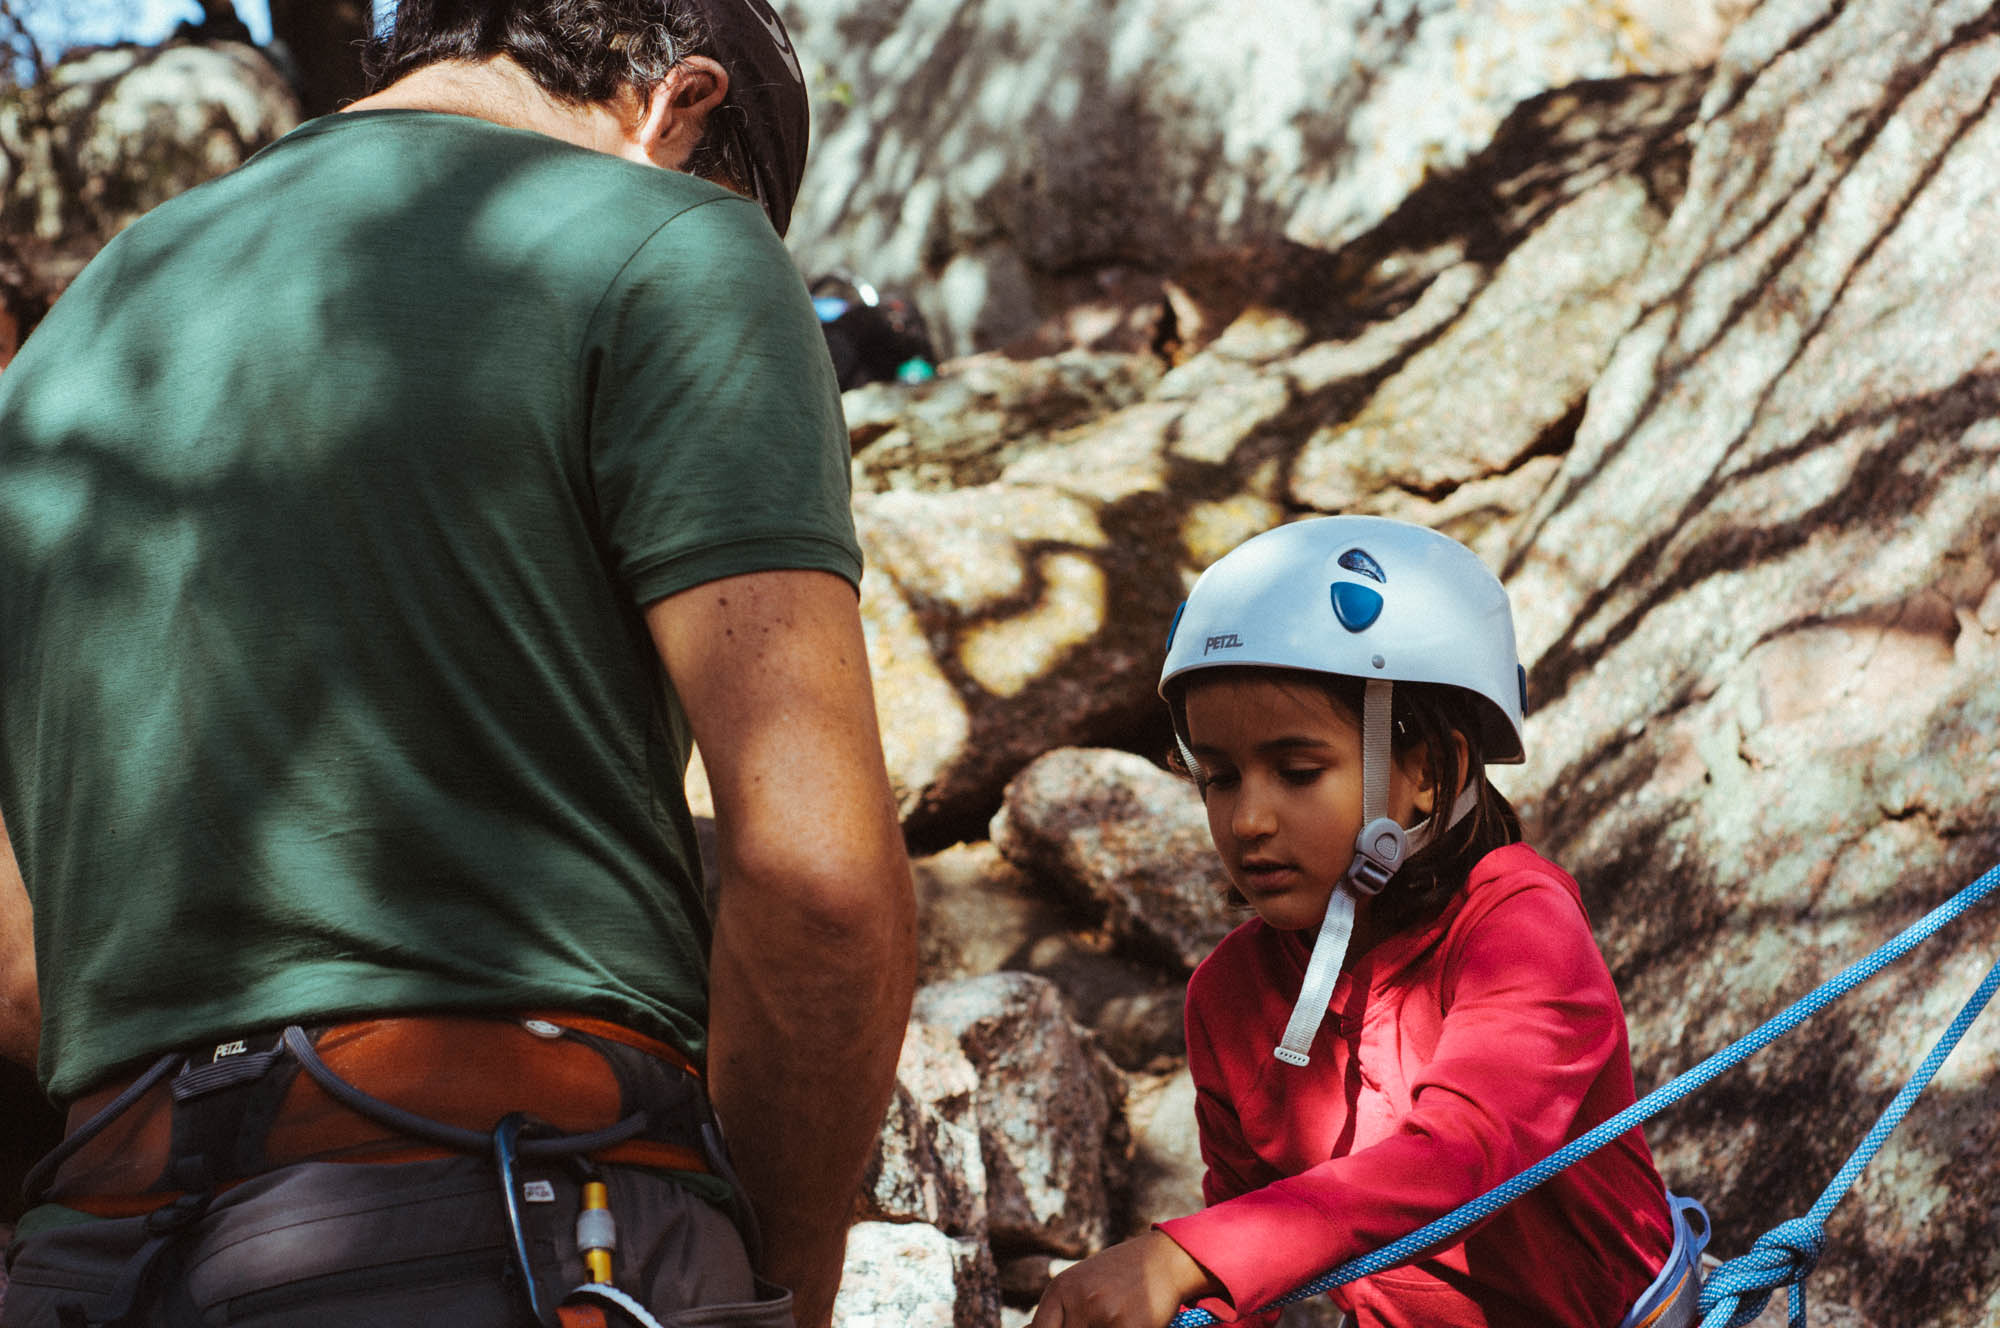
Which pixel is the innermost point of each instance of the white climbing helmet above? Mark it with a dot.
(1363, 596)
(1379, 600)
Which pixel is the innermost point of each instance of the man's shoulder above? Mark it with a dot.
(478, 166)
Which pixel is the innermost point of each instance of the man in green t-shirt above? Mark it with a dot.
(381, 525)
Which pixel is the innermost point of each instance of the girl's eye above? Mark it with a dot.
(1220, 779)
(1301, 775)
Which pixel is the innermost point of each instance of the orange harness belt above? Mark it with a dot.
(463, 1070)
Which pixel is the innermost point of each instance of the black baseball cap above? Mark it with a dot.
(766, 106)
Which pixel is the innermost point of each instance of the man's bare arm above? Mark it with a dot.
(815, 955)
(20, 1006)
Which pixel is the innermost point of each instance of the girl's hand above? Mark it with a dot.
(1141, 1283)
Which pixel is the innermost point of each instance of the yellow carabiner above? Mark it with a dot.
(596, 1233)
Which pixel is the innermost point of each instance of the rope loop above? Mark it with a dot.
(1800, 1239)
(1782, 1257)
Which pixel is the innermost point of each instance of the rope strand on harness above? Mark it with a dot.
(438, 1132)
(36, 1182)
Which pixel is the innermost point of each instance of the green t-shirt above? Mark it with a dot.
(331, 494)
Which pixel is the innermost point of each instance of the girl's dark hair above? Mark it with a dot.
(1426, 713)
(577, 51)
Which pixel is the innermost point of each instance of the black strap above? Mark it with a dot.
(506, 1144)
(164, 1226)
(224, 1108)
(36, 1182)
(198, 1081)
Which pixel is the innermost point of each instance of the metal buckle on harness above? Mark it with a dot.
(1379, 851)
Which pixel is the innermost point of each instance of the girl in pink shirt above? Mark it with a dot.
(1418, 1011)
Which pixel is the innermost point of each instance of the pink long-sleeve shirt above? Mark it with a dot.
(1453, 1056)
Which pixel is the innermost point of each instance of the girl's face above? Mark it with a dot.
(1282, 763)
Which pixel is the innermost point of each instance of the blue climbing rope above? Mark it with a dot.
(1783, 1256)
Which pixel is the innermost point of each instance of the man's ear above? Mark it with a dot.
(674, 115)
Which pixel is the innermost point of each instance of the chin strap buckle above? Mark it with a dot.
(1379, 851)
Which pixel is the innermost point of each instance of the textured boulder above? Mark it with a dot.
(1118, 834)
(992, 634)
(1761, 608)
(909, 1275)
(1044, 1106)
(113, 132)
(1516, 348)
(963, 427)
(982, 151)
(977, 914)
(927, 1165)
(1131, 1007)
(1166, 1150)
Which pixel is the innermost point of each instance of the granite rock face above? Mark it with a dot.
(1025, 570)
(927, 1167)
(1760, 604)
(977, 914)
(978, 152)
(997, 617)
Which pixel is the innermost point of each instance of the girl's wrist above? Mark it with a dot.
(1178, 1269)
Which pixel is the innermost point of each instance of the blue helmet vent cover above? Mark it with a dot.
(1174, 628)
(1357, 606)
(1358, 562)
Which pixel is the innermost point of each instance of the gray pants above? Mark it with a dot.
(414, 1245)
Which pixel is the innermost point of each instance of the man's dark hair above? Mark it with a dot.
(584, 51)
(577, 51)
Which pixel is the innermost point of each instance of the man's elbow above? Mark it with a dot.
(20, 1016)
(859, 902)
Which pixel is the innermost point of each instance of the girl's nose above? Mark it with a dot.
(1253, 817)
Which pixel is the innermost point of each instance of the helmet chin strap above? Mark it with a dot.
(1379, 852)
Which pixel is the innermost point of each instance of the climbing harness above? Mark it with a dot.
(252, 1105)
(1737, 1291)
(1672, 1301)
